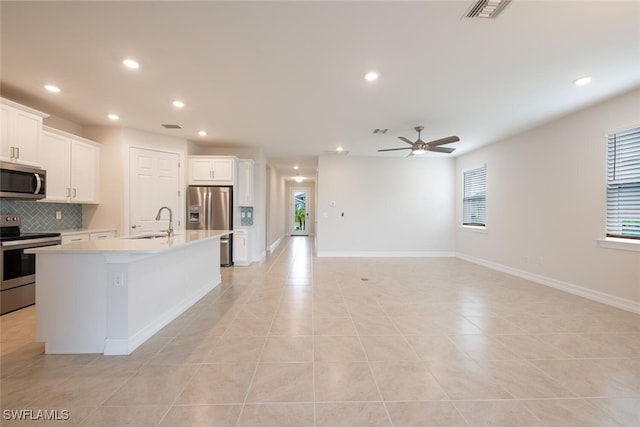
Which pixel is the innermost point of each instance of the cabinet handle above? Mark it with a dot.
(74, 192)
(12, 151)
(68, 192)
(134, 226)
(17, 152)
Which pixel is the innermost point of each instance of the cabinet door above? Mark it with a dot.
(240, 248)
(223, 170)
(5, 144)
(245, 183)
(75, 238)
(200, 171)
(84, 176)
(55, 160)
(28, 131)
(103, 235)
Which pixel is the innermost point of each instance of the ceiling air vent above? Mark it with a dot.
(487, 9)
(380, 131)
(172, 126)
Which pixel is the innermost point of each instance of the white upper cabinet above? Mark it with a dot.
(245, 182)
(20, 133)
(211, 170)
(72, 164)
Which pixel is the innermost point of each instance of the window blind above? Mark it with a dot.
(474, 204)
(623, 184)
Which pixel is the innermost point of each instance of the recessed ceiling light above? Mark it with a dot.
(339, 149)
(178, 104)
(296, 167)
(371, 76)
(298, 179)
(52, 88)
(130, 63)
(582, 81)
(113, 117)
(202, 133)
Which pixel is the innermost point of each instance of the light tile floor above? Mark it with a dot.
(300, 341)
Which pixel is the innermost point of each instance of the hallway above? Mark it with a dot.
(299, 340)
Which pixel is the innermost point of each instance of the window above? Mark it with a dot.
(474, 203)
(623, 184)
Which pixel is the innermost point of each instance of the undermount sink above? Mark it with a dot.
(148, 236)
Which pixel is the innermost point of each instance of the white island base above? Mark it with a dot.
(98, 299)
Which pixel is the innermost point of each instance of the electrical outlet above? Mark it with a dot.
(118, 279)
(58, 214)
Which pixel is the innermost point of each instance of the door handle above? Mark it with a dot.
(38, 183)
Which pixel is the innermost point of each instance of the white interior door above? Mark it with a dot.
(154, 182)
(299, 208)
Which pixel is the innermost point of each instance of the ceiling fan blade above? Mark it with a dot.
(402, 138)
(395, 149)
(447, 140)
(411, 154)
(441, 149)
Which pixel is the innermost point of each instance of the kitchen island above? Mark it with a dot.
(109, 296)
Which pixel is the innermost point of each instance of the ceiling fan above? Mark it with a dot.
(419, 146)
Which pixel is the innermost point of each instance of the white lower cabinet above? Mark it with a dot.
(75, 238)
(241, 253)
(84, 236)
(102, 235)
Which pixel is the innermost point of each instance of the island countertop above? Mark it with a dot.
(133, 244)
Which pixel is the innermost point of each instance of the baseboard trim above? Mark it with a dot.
(384, 254)
(612, 300)
(275, 244)
(114, 347)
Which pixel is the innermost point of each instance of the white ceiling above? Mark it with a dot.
(288, 76)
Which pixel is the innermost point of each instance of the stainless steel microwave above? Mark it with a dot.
(22, 182)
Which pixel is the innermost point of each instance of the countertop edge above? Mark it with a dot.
(124, 246)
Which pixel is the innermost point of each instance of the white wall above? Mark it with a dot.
(113, 210)
(276, 204)
(391, 206)
(546, 195)
(109, 213)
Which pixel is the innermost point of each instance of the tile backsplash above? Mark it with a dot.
(42, 216)
(246, 216)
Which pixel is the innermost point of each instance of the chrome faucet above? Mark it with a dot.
(170, 230)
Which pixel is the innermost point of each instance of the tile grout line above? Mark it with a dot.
(264, 344)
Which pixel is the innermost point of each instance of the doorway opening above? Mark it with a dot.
(299, 213)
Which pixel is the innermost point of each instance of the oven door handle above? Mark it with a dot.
(38, 183)
(31, 243)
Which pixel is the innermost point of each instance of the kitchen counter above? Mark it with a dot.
(74, 231)
(133, 244)
(109, 296)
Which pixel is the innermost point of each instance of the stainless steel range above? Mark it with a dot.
(17, 269)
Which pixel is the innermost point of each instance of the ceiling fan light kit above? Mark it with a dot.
(420, 147)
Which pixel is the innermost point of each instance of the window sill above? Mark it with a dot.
(474, 228)
(617, 243)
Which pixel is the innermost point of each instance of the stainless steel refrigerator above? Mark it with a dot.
(211, 208)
